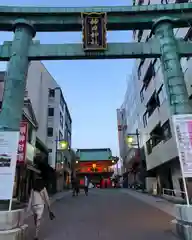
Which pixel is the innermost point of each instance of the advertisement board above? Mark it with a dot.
(8, 157)
(183, 131)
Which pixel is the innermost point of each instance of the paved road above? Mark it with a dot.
(105, 215)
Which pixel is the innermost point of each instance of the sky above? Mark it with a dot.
(93, 89)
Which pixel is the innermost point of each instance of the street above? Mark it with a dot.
(104, 214)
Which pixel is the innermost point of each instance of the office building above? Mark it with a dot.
(155, 120)
(50, 109)
(130, 141)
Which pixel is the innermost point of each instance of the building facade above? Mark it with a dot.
(128, 128)
(155, 120)
(50, 109)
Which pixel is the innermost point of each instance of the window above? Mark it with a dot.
(50, 112)
(148, 146)
(140, 34)
(52, 93)
(49, 132)
(62, 103)
(50, 150)
(61, 119)
(30, 132)
(152, 104)
(140, 67)
(141, 95)
(156, 135)
(60, 135)
(162, 95)
(166, 131)
(149, 74)
(145, 119)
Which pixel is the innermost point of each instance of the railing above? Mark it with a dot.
(174, 194)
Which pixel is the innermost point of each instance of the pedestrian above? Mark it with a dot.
(38, 199)
(86, 185)
(75, 186)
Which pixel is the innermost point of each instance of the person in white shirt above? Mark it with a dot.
(86, 185)
(38, 199)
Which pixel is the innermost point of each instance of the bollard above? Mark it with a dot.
(183, 221)
(12, 225)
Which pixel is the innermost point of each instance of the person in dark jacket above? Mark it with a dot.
(75, 185)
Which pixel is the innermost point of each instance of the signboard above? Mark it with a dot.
(22, 147)
(8, 158)
(94, 31)
(183, 131)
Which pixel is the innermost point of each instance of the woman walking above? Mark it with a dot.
(38, 199)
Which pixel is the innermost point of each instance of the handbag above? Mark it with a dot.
(51, 215)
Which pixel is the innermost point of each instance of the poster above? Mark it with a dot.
(8, 157)
(182, 125)
(22, 145)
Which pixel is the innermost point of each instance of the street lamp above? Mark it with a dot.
(63, 144)
(129, 139)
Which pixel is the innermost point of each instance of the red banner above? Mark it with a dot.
(21, 153)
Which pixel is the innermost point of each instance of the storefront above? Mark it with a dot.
(25, 174)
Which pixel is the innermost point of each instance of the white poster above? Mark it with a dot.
(183, 130)
(8, 157)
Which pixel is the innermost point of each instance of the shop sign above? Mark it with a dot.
(8, 158)
(183, 131)
(22, 147)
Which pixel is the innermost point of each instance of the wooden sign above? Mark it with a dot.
(94, 31)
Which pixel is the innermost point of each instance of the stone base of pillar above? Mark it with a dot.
(12, 225)
(14, 234)
(183, 221)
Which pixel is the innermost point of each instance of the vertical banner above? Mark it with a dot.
(183, 130)
(94, 31)
(8, 157)
(182, 125)
(21, 153)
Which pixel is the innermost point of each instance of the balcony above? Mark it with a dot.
(162, 153)
(153, 120)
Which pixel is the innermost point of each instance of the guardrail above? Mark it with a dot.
(174, 195)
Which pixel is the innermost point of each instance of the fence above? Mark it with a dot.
(174, 195)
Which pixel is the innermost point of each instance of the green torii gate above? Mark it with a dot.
(26, 21)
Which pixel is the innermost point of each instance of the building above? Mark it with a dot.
(50, 109)
(128, 129)
(155, 122)
(25, 167)
(96, 164)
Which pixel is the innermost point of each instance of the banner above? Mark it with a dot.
(94, 31)
(22, 147)
(8, 157)
(182, 125)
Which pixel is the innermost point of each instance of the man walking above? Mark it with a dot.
(86, 185)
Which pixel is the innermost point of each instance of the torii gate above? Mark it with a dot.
(26, 21)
